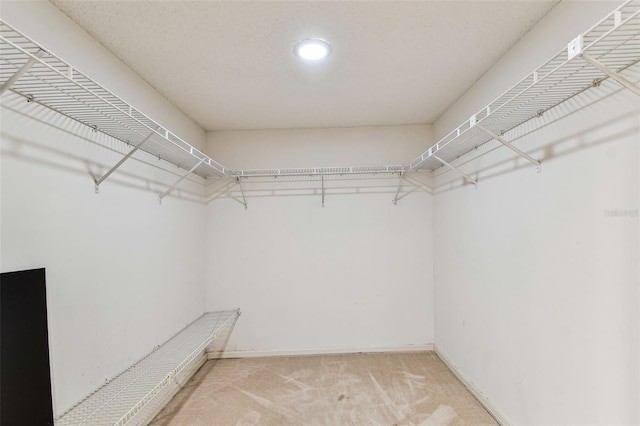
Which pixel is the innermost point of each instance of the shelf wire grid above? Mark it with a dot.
(614, 41)
(135, 393)
(55, 84)
(320, 171)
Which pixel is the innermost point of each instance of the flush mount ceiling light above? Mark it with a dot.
(312, 49)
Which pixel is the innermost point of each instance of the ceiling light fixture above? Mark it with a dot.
(312, 49)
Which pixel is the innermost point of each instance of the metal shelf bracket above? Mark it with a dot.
(455, 169)
(614, 75)
(165, 193)
(23, 69)
(506, 143)
(125, 158)
(244, 199)
(396, 198)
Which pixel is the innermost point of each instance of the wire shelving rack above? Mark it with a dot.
(604, 51)
(320, 171)
(31, 71)
(136, 394)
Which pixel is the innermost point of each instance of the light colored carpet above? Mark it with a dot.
(353, 389)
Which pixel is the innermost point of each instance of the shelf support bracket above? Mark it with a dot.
(455, 169)
(614, 75)
(165, 193)
(322, 190)
(23, 69)
(504, 142)
(395, 199)
(125, 158)
(244, 199)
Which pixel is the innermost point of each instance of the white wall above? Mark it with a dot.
(536, 287)
(340, 147)
(356, 274)
(123, 273)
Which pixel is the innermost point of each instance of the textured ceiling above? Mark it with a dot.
(229, 65)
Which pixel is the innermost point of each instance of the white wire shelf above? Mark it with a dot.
(55, 84)
(138, 392)
(320, 171)
(614, 42)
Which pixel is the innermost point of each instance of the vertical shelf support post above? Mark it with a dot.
(23, 69)
(504, 142)
(455, 169)
(165, 193)
(322, 190)
(244, 199)
(395, 199)
(614, 75)
(125, 158)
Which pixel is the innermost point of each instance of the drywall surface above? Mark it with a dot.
(53, 30)
(123, 273)
(356, 274)
(328, 147)
(536, 275)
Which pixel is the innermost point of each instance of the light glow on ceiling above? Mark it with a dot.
(312, 49)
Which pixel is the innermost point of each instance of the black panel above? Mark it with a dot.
(25, 382)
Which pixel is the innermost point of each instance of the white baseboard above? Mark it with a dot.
(477, 394)
(259, 354)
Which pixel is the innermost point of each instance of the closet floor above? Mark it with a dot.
(413, 388)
